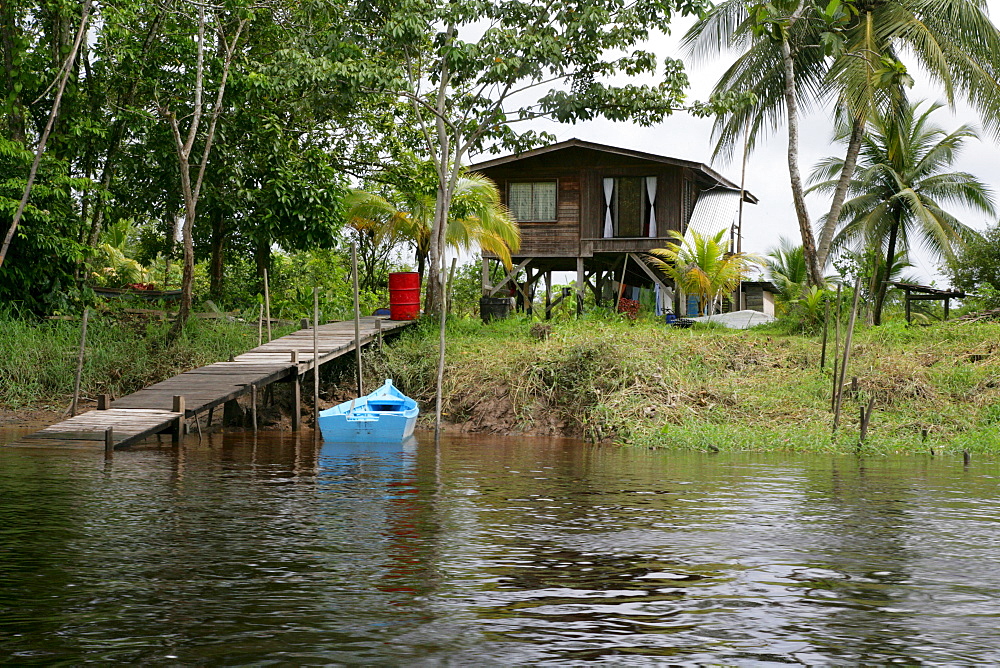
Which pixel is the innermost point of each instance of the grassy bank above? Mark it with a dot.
(124, 353)
(646, 384)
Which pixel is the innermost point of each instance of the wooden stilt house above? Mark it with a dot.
(595, 210)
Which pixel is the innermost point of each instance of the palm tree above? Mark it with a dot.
(809, 53)
(702, 265)
(786, 266)
(477, 218)
(900, 189)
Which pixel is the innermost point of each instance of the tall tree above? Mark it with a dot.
(228, 32)
(803, 53)
(901, 187)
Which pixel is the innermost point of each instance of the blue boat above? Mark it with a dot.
(386, 415)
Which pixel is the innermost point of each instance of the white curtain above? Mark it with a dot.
(651, 192)
(609, 190)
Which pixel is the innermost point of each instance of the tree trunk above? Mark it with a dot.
(421, 265)
(217, 262)
(8, 38)
(118, 135)
(883, 285)
(40, 150)
(840, 194)
(798, 193)
(433, 292)
(184, 148)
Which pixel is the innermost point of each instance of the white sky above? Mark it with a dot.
(683, 136)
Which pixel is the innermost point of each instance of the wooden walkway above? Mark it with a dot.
(154, 410)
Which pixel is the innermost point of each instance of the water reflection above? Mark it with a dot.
(243, 549)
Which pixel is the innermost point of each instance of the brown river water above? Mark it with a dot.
(272, 550)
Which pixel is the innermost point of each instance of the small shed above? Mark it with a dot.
(596, 209)
(758, 296)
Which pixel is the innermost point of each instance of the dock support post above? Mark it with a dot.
(103, 402)
(253, 405)
(579, 286)
(179, 407)
(296, 394)
(304, 323)
(109, 442)
(232, 414)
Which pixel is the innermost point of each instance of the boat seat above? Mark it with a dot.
(385, 403)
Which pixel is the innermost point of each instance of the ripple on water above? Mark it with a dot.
(489, 551)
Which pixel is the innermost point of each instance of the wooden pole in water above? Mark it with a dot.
(253, 406)
(866, 417)
(109, 442)
(316, 357)
(296, 394)
(357, 317)
(179, 407)
(442, 339)
(267, 305)
(847, 353)
(79, 361)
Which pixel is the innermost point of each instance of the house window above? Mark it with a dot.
(533, 202)
(629, 207)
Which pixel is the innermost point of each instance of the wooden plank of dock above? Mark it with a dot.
(150, 410)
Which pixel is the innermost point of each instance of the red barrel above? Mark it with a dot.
(404, 295)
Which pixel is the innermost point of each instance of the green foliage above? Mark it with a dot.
(702, 265)
(37, 274)
(476, 218)
(295, 276)
(901, 184)
(977, 268)
(647, 384)
(124, 354)
(467, 288)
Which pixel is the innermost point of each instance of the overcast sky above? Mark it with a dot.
(683, 136)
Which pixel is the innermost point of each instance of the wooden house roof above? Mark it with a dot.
(699, 167)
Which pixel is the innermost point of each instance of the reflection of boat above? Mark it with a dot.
(385, 415)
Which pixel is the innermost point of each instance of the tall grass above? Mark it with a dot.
(648, 384)
(123, 354)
